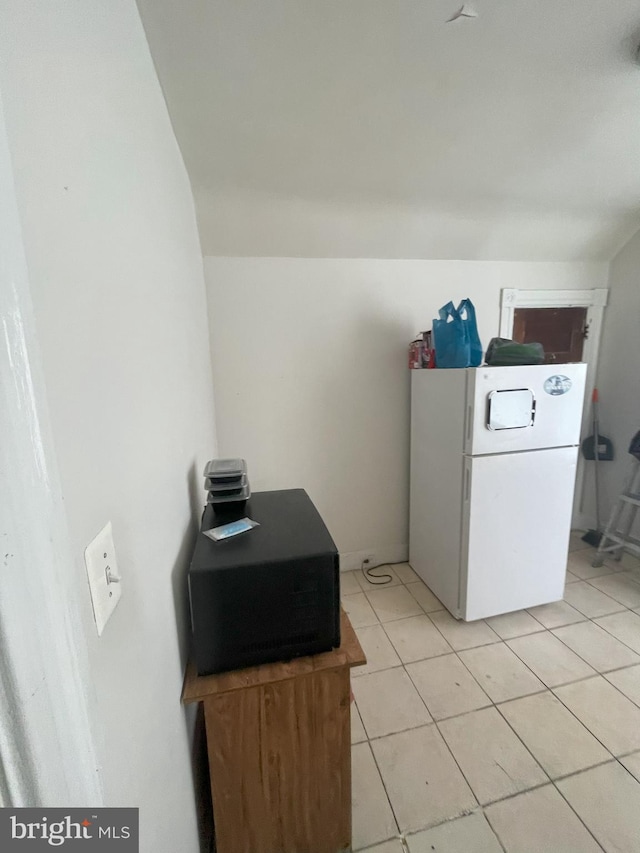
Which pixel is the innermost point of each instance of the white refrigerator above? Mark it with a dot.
(493, 464)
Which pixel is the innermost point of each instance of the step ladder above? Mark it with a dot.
(617, 536)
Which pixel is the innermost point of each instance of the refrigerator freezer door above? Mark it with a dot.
(558, 392)
(517, 519)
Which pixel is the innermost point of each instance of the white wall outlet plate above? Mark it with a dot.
(104, 577)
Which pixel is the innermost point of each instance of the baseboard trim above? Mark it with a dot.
(351, 560)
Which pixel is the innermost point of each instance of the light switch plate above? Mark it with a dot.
(104, 577)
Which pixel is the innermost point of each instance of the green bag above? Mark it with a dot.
(503, 352)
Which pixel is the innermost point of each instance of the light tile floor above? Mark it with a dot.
(520, 733)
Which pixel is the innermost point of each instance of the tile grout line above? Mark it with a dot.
(628, 610)
(544, 627)
(582, 770)
(509, 796)
(534, 759)
(621, 607)
(376, 671)
(544, 686)
(609, 595)
(570, 710)
(440, 654)
(495, 832)
(577, 815)
(552, 779)
(477, 810)
(619, 761)
(386, 793)
(564, 683)
(627, 754)
(444, 740)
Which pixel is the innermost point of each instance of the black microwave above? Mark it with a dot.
(270, 594)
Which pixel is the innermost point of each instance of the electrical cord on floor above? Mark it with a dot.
(376, 580)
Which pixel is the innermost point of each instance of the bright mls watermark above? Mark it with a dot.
(35, 830)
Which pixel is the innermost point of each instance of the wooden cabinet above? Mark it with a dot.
(279, 744)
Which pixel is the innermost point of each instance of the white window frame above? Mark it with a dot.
(595, 302)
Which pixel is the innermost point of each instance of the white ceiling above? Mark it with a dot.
(372, 127)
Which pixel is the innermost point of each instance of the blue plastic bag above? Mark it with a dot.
(467, 313)
(455, 336)
(450, 338)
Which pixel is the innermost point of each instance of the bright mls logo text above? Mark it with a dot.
(84, 830)
(57, 832)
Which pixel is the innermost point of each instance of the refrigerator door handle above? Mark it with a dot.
(469, 422)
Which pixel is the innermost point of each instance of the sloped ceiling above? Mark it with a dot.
(350, 128)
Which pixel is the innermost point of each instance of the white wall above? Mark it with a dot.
(240, 223)
(44, 673)
(117, 285)
(310, 370)
(619, 369)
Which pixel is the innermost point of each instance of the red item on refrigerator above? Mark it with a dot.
(415, 355)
